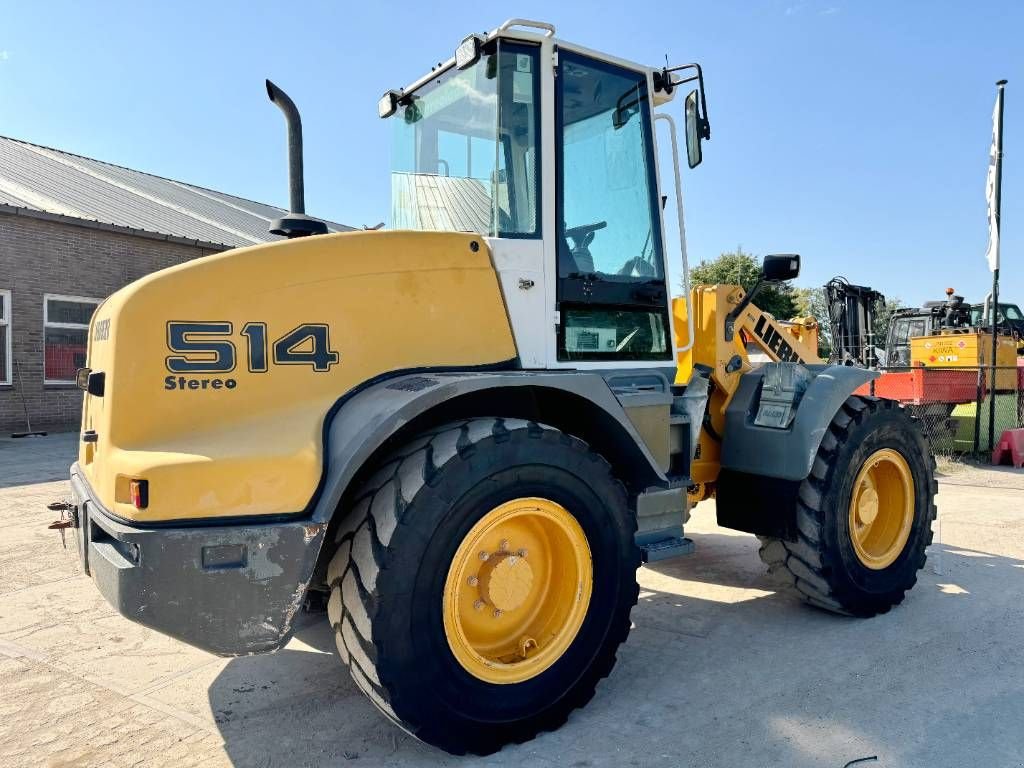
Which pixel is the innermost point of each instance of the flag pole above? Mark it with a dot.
(1001, 85)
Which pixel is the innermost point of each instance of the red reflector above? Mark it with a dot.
(139, 490)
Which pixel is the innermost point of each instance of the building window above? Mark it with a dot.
(5, 337)
(65, 336)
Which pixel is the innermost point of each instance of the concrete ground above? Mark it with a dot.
(718, 671)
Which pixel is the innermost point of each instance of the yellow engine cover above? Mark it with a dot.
(219, 372)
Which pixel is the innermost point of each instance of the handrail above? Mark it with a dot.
(682, 232)
(549, 28)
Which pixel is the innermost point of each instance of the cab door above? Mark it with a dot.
(611, 294)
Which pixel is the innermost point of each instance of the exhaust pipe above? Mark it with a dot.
(296, 223)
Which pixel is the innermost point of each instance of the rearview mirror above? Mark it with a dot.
(780, 267)
(693, 130)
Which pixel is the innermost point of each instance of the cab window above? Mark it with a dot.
(465, 151)
(611, 287)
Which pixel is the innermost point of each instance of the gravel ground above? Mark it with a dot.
(961, 472)
(719, 670)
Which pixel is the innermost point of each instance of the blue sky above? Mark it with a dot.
(853, 133)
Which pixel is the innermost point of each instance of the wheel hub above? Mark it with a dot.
(867, 505)
(881, 509)
(506, 581)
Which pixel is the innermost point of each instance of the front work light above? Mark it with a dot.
(388, 104)
(468, 51)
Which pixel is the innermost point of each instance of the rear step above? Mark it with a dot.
(663, 549)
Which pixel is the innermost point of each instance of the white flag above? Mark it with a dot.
(992, 253)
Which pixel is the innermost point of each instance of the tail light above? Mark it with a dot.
(139, 493)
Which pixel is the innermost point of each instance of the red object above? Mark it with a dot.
(61, 361)
(139, 491)
(921, 386)
(1010, 446)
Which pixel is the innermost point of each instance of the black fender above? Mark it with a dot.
(762, 467)
(367, 420)
(786, 454)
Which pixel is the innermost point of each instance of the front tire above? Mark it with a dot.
(863, 515)
(470, 653)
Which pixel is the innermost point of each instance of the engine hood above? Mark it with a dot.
(219, 373)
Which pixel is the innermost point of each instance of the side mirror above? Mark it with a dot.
(780, 267)
(694, 133)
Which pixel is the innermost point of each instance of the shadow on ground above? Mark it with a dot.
(717, 672)
(30, 460)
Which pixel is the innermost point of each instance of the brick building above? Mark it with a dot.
(72, 231)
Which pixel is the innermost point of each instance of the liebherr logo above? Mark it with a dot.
(774, 341)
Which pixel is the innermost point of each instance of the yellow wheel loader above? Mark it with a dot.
(468, 433)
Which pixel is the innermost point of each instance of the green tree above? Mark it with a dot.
(741, 268)
(883, 316)
(810, 302)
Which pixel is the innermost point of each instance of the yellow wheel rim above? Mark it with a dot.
(517, 590)
(882, 509)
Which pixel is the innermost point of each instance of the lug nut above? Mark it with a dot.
(484, 556)
(497, 613)
(503, 545)
(479, 605)
(473, 581)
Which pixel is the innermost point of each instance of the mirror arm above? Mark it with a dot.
(669, 85)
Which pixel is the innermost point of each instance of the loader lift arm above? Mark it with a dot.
(728, 327)
(783, 341)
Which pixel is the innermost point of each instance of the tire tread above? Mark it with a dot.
(366, 531)
(802, 565)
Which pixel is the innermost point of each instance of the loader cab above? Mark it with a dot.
(902, 329)
(548, 150)
(1010, 319)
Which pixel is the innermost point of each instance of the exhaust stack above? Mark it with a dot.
(296, 223)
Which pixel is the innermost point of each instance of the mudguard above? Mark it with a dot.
(786, 454)
(365, 420)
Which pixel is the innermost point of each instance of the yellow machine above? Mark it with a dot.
(967, 348)
(950, 334)
(466, 438)
(727, 354)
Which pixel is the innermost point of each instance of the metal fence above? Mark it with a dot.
(964, 410)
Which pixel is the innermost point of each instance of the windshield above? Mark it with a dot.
(464, 153)
(608, 188)
(1006, 312)
(611, 288)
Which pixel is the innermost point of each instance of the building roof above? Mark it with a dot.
(38, 178)
(435, 202)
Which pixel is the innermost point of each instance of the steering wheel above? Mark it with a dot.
(583, 235)
(638, 265)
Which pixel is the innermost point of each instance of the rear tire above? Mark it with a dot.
(828, 565)
(397, 545)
